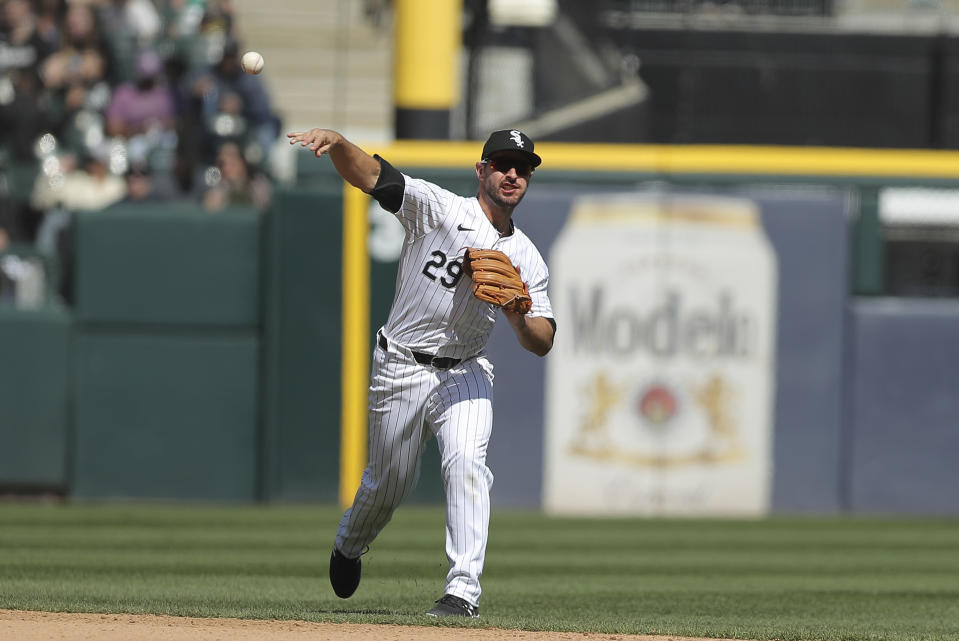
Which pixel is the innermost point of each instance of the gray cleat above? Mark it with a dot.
(453, 606)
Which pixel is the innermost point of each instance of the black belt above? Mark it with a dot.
(439, 362)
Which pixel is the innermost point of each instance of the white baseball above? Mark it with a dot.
(252, 62)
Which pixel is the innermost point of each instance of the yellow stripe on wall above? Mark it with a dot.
(356, 330)
(812, 161)
(695, 159)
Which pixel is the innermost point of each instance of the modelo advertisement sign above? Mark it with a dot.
(659, 386)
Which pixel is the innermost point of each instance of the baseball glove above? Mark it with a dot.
(496, 280)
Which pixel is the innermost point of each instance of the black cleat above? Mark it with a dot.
(344, 574)
(453, 606)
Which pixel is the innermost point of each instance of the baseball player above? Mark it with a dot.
(462, 261)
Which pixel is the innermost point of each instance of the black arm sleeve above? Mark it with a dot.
(390, 187)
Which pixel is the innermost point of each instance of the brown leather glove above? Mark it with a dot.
(496, 280)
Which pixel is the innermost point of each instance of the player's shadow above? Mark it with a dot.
(349, 611)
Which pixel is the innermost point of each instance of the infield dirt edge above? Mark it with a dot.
(43, 626)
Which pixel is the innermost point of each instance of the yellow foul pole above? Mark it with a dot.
(356, 331)
(426, 61)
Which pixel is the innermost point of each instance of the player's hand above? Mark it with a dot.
(516, 313)
(319, 141)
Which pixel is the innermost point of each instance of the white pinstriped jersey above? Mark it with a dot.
(434, 310)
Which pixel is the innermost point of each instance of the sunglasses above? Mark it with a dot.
(504, 164)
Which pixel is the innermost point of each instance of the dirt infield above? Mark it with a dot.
(46, 626)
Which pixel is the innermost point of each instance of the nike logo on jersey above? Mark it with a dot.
(461, 228)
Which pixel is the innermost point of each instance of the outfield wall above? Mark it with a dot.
(903, 429)
(210, 357)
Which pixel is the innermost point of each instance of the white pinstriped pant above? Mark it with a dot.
(408, 402)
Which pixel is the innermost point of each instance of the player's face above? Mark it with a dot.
(504, 178)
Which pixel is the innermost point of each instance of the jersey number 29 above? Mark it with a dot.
(454, 269)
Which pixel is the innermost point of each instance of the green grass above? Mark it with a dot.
(802, 578)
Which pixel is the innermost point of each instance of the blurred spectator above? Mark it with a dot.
(7, 221)
(135, 19)
(218, 18)
(185, 18)
(81, 59)
(15, 220)
(233, 181)
(21, 42)
(145, 104)
(146, 185)
(24, 115)
(79, 187)
(234, 105)
(50, 19)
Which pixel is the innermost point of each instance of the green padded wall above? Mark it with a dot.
(166, 374)
(166, 415)
(34, 360)
(168, 263)
(303, 346)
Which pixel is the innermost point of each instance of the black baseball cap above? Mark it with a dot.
(510, 140)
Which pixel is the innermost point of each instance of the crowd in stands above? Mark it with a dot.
(108, 101)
